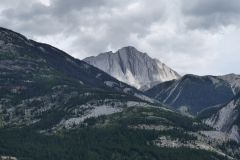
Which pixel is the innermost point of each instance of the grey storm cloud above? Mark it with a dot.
(203, 7)
(185, 34)
(212, 14)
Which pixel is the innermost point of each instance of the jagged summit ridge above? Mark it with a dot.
(193, 92)
(133, 67)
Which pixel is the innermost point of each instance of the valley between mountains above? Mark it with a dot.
(114, 106)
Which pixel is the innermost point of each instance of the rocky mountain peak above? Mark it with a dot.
(133, 67)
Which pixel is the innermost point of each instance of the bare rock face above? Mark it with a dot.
(133, 67)
(233, 80)
(226, 119)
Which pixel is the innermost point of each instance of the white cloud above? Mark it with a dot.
(192, 36)
(45, 2)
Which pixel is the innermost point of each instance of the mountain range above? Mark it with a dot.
(194, 93)
(54, 106)
(38, 78)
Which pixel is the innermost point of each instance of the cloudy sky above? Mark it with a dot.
(191, 36)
